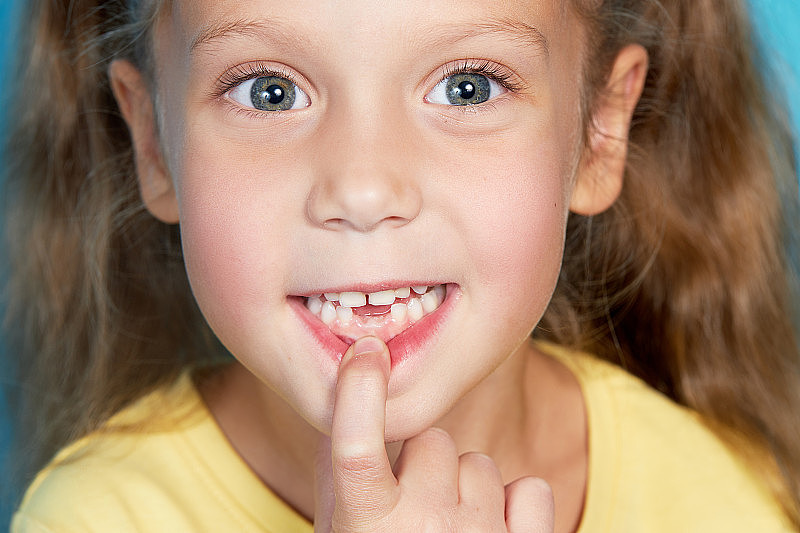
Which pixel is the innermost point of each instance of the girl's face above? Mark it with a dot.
(362, 147)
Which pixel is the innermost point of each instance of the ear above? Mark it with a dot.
(134, 100)
(602, 164)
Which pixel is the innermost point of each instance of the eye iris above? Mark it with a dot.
(467, 89)
(272, 93)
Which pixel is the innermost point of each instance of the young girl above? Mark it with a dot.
(372, 205)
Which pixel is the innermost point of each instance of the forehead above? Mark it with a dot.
(192, 25)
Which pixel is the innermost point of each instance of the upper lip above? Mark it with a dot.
(370, 287)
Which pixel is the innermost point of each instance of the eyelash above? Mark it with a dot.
(242, 73)
(507, 79)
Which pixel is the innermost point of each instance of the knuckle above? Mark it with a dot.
(535, 485)
(437, 435)
(480, 483)
(478, 521)
(437, 440)
(363, 367)
(361, 381)
(534, 490)
(481, 463)
(359, 463)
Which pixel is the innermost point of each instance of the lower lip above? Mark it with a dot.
(401, 347)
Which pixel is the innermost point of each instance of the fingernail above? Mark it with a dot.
(366, 345)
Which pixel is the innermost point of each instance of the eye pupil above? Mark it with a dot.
(466, 90)
(272, 93)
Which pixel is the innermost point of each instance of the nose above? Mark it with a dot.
(363, 180)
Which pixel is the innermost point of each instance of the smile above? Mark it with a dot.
(385, 314)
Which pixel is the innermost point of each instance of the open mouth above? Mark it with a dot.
(385, 314)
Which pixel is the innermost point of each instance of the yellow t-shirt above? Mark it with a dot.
(178, 473)
(656, 467)
(653, 467)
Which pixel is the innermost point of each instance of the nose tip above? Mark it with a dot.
(363, 200)
(364, 203)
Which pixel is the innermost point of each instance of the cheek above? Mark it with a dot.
(527, 242)
(234, 225)
(519, 225)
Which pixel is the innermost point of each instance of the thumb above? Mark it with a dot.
(365, 488)
(529, 506)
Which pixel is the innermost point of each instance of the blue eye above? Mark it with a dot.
(465, 88)
(270, 93)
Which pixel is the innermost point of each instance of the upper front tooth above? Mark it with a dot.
(420, 289)
(403, 292)
(331, 296)
(353, 299)
(382, 297)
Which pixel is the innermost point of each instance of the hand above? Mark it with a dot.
(434, 489)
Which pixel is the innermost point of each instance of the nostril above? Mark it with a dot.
(335, 224)
(396, 222)
(363, 225)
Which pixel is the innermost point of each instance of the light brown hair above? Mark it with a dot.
(99, 307)
(686, 281)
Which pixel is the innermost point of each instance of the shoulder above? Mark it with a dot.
(162, 464)
(143, 471)
(90, 485)
(657, 466)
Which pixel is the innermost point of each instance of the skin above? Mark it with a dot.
(373, 184)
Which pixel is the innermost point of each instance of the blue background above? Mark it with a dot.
(7, 10)
(776, 21)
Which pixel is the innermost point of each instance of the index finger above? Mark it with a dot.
(365, 488)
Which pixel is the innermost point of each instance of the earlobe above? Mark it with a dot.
(133, 97)
(602, 165)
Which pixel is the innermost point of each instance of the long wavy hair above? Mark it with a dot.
(687, 281)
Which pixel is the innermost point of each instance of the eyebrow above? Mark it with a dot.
(515, 31)
(261, 29)
(512, 30)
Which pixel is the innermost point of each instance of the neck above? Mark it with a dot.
(524, 416)
(278, 445)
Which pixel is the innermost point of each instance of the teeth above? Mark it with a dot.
(382, 297)
(399, 312)
(403, 292)
(328, 313)
(385, 297)
(415, 311)
(314, 304)
(336, 310)
(344, 314)
(353, 299)
(430, 301)
(439, 291)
